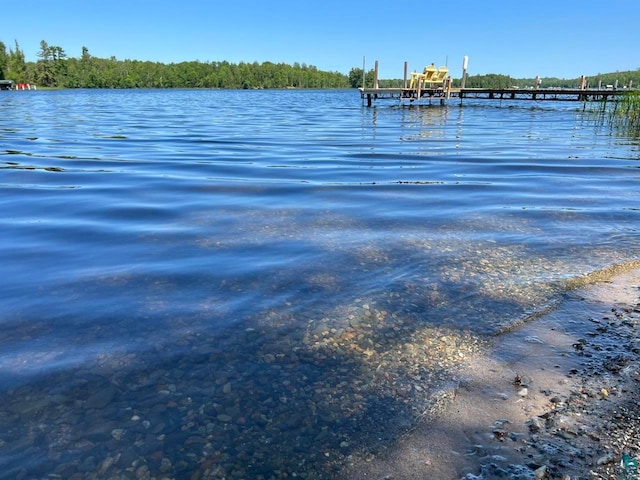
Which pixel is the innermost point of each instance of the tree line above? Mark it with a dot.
(493, 80)
(54, 68)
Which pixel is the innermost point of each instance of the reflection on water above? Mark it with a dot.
(258, 283)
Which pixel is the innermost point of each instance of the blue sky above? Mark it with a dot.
(523, 39)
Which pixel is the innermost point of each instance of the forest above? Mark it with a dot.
(55, 69)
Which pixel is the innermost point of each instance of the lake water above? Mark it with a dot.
(261, 284)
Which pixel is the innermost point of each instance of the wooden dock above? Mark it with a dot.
(444, 93)
(444, 90)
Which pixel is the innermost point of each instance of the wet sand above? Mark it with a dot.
(553, 398)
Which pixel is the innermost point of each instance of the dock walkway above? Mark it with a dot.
(444, 93)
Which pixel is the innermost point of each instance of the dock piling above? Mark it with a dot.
(375, 75)
(406, 70)
(465, 64)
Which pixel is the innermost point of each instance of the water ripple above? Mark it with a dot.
(252, 224)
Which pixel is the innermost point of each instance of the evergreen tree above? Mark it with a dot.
(44, 67)
(4, 60)
(16, 66)
(51, 68)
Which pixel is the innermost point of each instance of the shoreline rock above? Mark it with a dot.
(561, 407)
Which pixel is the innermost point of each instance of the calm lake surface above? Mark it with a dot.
(257, 284)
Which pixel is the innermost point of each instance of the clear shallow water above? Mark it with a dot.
(241, 269)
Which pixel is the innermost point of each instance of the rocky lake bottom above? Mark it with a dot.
(556, 398)
(552, 398)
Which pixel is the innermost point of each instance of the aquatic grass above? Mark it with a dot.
(626, 113)
(622, 116)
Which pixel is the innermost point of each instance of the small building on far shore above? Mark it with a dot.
(11, 85)
(6, 85)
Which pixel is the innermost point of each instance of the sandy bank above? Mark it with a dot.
(554, 398)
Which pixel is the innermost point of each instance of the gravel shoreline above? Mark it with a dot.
(556, 398)
(383, 397)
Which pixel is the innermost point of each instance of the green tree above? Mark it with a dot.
(51, 67)
(44, 67)
(355, 77)
(491, 80)
(45, 51)
(16, 65)
(4, 60)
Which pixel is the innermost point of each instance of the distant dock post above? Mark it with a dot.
(406, 70)
(583, 86)
(375, 75)
(465, 64)
(463, 80)
(583, 82)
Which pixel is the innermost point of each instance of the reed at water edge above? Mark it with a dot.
(621, 115)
